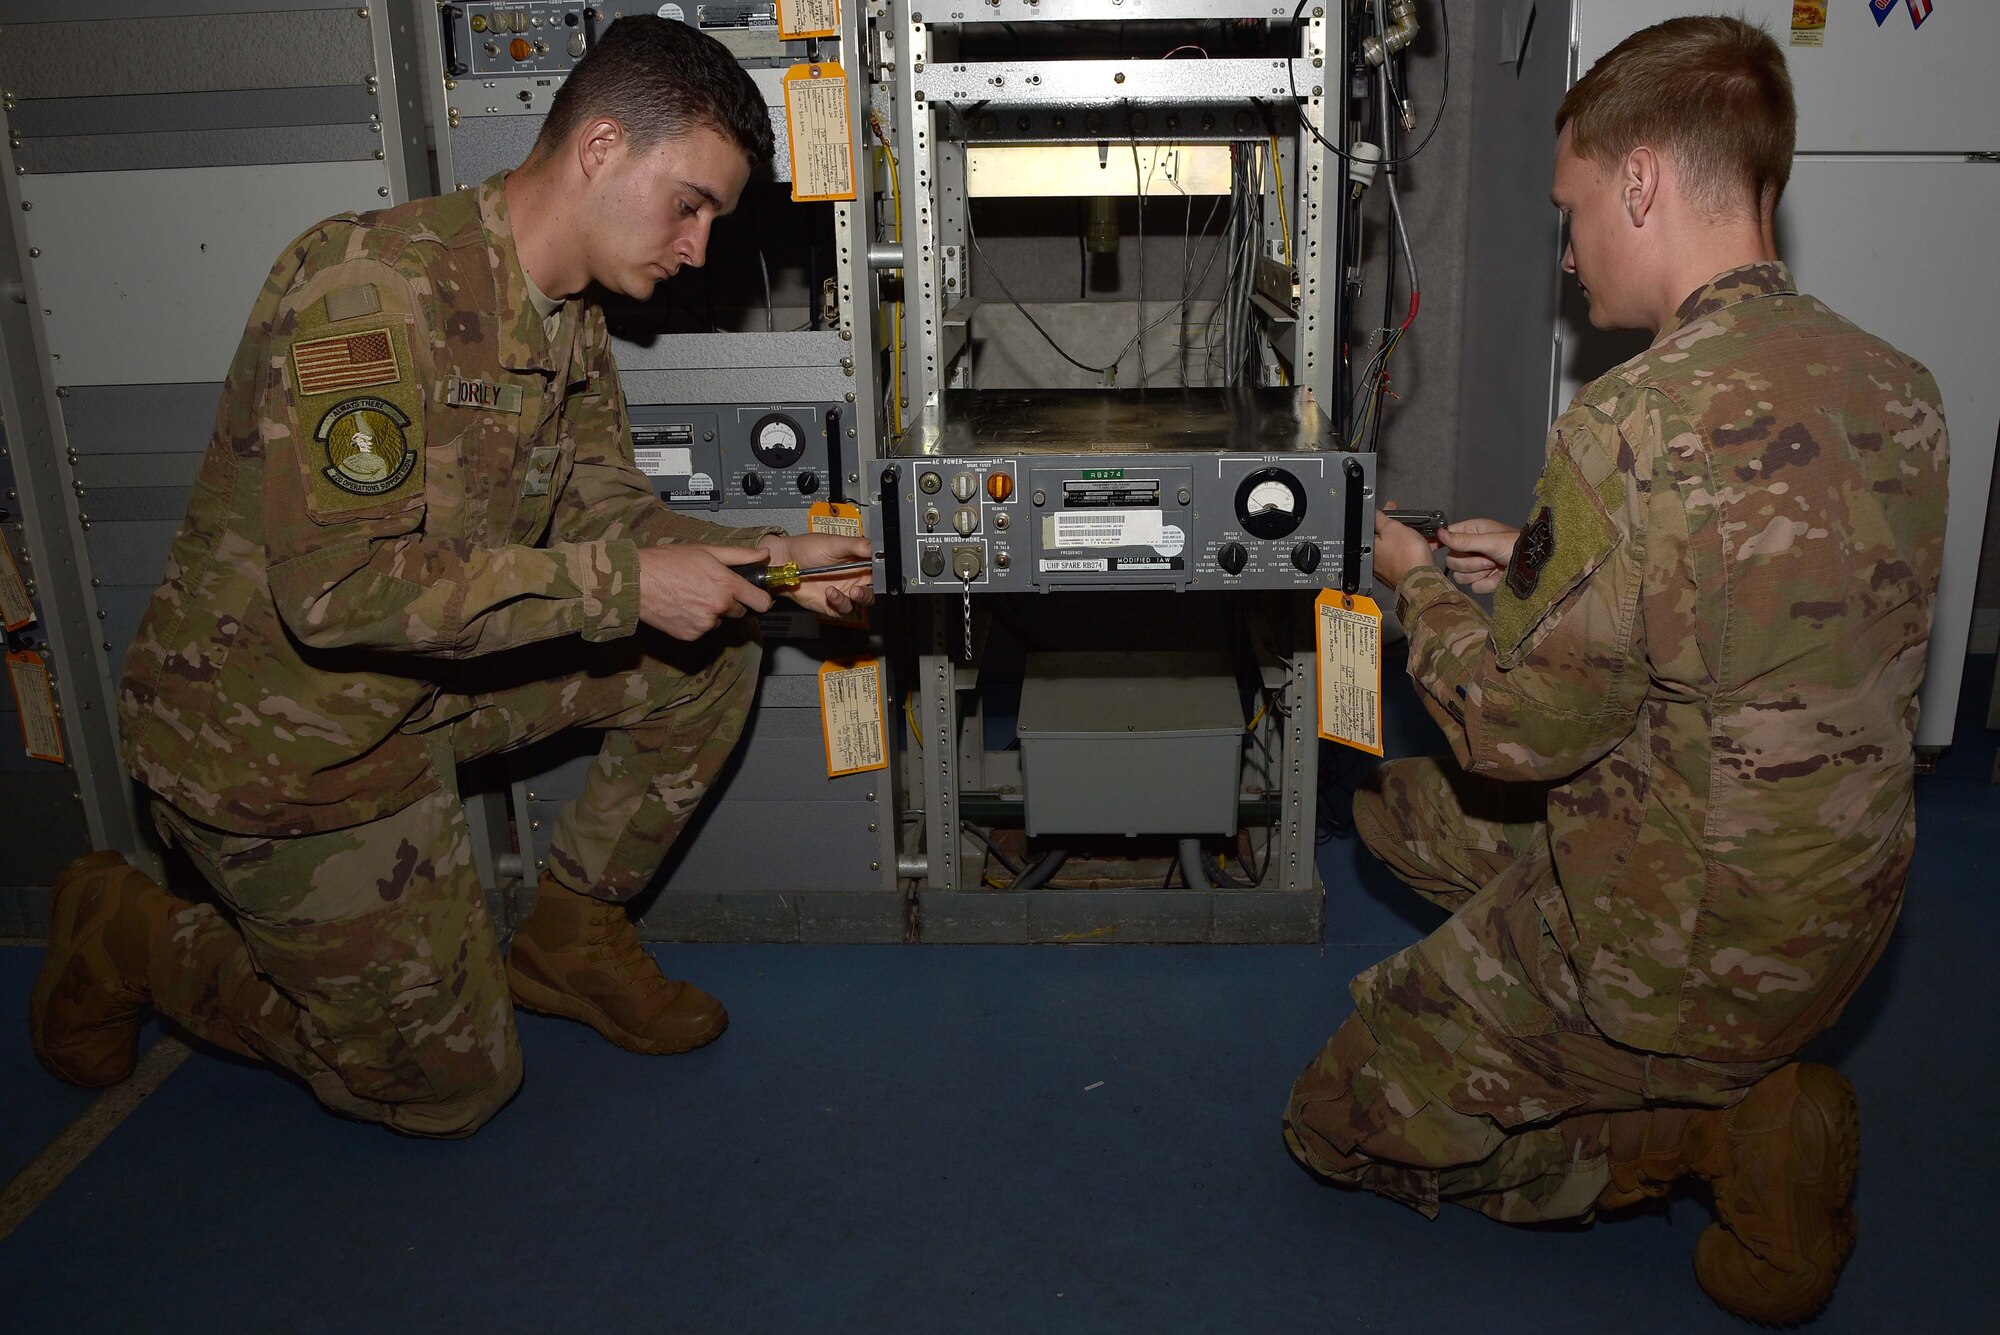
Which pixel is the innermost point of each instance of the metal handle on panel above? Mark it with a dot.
(454, 64)
(1353, 536)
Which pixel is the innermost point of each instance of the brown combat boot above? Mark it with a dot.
(1781, 1164)
(580, 958)
(105, 920)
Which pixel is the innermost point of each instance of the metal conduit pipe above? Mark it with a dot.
(1193, 871)
(885, 255)
(915, 866)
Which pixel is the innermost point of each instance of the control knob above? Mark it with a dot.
(1232, 558)
(1305, 557)
(753, 484)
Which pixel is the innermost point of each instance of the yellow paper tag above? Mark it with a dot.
(1349, 632)
(36, 700)
(822, 141)
(16, 608)
(808, 18)
(850, 713)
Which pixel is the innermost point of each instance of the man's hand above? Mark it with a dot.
(1399, 549)
(1478, 551)
(686, 588)
(829, 595)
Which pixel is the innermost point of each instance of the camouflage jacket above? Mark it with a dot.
(1710, 642)
(406, 470)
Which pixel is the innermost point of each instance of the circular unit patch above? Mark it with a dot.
(367, 452)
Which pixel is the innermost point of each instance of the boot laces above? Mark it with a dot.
(614, 938)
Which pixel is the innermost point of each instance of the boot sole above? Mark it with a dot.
(530, 995)
(1832, 1100)
(62, 927)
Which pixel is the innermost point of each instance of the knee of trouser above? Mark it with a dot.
(461, 1108)
(1354, 1106)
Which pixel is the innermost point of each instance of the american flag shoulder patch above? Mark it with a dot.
(345, 361)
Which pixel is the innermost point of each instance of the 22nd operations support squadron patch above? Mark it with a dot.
(1532, 551)
(367, 446)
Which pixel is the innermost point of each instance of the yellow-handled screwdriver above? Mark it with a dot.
(778, 578)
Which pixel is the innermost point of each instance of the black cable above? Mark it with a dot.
(1139, 183)
(1012, 867)
(972, 235)
(1437, 118)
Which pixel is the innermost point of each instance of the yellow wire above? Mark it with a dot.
(1279, 171)
(1251, 726)
(896, 311)
(1283, 226)
(910, 716)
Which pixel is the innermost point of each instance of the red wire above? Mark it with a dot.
(1410, 319)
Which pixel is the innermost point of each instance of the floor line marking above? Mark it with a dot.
(45, 1172)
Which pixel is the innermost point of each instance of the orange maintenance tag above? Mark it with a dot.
(808, 18)
(16, 608)
(850, 715)
(36, 699)
(1349, 632)
(843, 521)
(835, 517)
(821, 135)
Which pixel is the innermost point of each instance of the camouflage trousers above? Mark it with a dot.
(363, 960)
(1469, 1071)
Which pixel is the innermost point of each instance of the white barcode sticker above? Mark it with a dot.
(1105, 528)
(666, 461)
(1350, 670)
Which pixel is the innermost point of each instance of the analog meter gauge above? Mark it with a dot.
(777, 441)
(1270, 503)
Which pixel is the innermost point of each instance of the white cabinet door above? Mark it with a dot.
(1903, 247)
(1888, 88)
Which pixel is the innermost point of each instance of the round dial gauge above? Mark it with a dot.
(1270, 503)
(777, 441)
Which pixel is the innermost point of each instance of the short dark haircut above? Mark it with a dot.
(1711, 91)
(660, 79)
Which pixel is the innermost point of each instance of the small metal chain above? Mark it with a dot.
(966, 597)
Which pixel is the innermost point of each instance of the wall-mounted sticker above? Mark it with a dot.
(1808, 22)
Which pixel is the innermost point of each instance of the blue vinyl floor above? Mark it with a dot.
(974, 1139)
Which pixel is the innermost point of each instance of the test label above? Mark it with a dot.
(1350, 670)
(808, 18)
(850, 706)
(36, 699)
(822, 141)
(16, 608)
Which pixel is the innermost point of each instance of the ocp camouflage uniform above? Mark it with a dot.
(1677, 820)
(413, 542)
